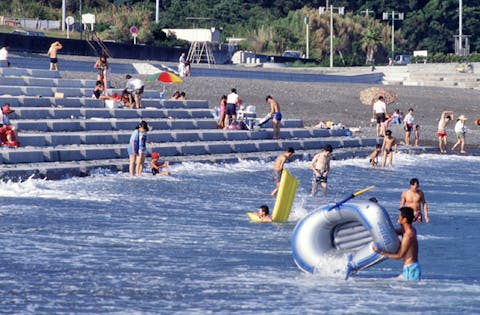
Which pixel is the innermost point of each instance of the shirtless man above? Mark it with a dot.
(389, 145)
(446, 117)
(278, 168)
(408, 250)
(276, 116)
(415, 199)
(52, 53)
(321, 167)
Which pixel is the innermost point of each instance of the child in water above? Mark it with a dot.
(263, 214)
(374, 155)
(157, 167)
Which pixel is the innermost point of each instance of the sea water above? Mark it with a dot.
(110, 243)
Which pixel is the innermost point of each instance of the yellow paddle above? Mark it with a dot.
(355, 194)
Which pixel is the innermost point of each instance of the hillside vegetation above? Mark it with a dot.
(272, 26)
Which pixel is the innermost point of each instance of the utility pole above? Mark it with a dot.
(395, 16)
(157, 11)
(64, 13)
(307, 40)
(322, 11)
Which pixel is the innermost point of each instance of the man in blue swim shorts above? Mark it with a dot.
(408, 250)
(276, 116)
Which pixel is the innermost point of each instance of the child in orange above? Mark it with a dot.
(157, 167)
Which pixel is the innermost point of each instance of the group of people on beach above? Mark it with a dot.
(230, 104)
(389, 145)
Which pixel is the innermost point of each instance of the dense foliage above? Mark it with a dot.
(271, 26)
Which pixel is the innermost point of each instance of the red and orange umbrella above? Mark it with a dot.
(165, 77)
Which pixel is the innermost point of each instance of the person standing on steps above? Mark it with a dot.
(52, 54)
(136, 87)
(276, 116)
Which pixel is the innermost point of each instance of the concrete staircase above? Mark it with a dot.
(77, 135)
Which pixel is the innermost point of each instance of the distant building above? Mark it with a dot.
(208, 35)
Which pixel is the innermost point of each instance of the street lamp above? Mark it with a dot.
(306, 26)
(395, 16)
(367, 12)
(322, 11)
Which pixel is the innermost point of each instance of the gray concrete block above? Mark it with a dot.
(14, 72)
(178, 113)
(185, 136)
(335, 143)
(29, 113)
(151, 103)
(320, 132)
(160, 137)
(101, 124)
(301, 133)
(205, 124)
(70, 83)
(13, 101)
(194, 149)
(268, 146)
(32, 140)
(97, 138)
(11, 90)
(65, 155)
(212, 135)
(200, 113)
(12, 81)
(100, 153)
(237, 135)
(29, 81)
(338, 132)
(74, 92)
(157, 124)
(167, 150)
(123, 113)
(63, 125)
(181, 124)
(219, 148)
(260, 134)
(243, 147)
(94, 103)
(65, 113)
(44, 73)
(30, 101)
(125, 138)
(151, 94)
(171, 104)
(13, 156)
(296, 144)
(32, 125)
(349, 143)
(313, 144)
(292, 123)
(370, 142)
(62, 139)
(38, 91)
(69, 102)
(96, 113)
(125, 125)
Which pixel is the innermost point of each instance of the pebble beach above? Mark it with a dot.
(337, 102)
